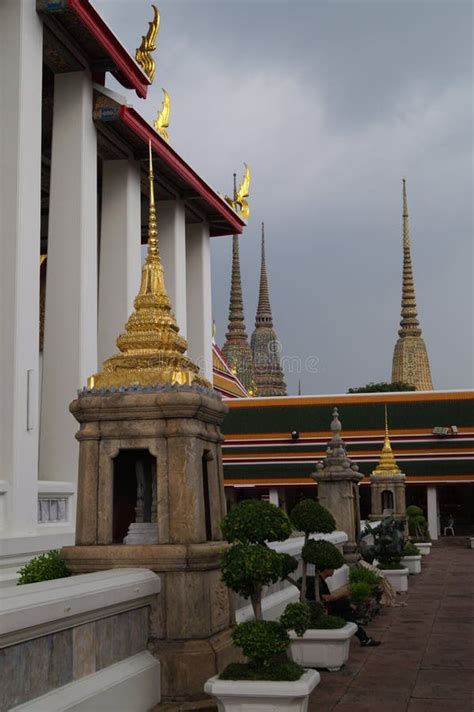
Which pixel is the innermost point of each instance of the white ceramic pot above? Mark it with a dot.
(424, 547)
(267, 696)
(412, 563)
(398, 578)
(322, 648)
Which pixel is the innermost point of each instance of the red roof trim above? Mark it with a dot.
(142, 129)
(128, 72)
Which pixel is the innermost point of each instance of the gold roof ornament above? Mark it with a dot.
(148, 45)
(240, 202)
(162, 121)
(151, 349)
(387, 464)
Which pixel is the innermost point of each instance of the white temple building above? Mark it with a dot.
(72, 184)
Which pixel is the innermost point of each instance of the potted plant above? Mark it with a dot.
(418, 529)
(268, 680)
(366, 592)
(325, 643)
(411, 558)
(386, 550)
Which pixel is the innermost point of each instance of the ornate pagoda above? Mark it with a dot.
(266, 348)
(150, 486)
(338, 478)
(236, 349)
(387, 484)
(410, 357)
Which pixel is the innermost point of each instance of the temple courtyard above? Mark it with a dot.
(426, 660)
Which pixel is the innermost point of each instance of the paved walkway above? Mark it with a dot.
(426, 660)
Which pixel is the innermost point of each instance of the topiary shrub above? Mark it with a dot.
(417, 524)
(247, 565)
(360, 592)
(359, 574)
(410, 549)
(297, 617)
(310, 517)
(323, 555)
(45, 567)
(256, 522)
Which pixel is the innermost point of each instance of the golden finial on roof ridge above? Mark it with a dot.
(387, 464)
(148, 45)
(162, 121)
(239, 202)
(151, 349)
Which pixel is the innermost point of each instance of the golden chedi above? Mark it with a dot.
(387, 464)
(387, 484)
(151, 350)
(410, 357)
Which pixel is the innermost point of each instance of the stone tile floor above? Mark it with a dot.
(426, 660)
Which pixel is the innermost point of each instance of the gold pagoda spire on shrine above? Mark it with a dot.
(151, 349)
(410, 357)
(387, 464)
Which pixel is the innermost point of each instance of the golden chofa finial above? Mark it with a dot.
(162, 121)
(152, 352)
(240, 202)
(148, 45)
(387, 464)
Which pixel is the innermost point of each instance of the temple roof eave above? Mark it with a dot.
(80, 22)
(127, 134)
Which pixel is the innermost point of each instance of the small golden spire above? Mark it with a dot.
(162, 121)
(152, 351)
(387, 464)
(148, 45)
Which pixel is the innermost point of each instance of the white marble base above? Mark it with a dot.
(131, 684)
(142, 533)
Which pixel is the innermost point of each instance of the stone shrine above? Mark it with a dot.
(151, 491)
(338, 478)
(387, 484)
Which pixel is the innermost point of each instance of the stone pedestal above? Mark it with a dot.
(338, 477)
(180, 427)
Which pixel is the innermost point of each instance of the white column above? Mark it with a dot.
(172, 238)
(198, 281)
(432, 507)
(70, 337)
(120, 256)
(273, 496)
(21, 40)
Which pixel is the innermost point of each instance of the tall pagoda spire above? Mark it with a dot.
(152, 352)
(236, 349)
(264, 310)
(387, 464)
(410, 357)
(268, 374)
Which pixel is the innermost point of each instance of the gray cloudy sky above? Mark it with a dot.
(331, 103)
